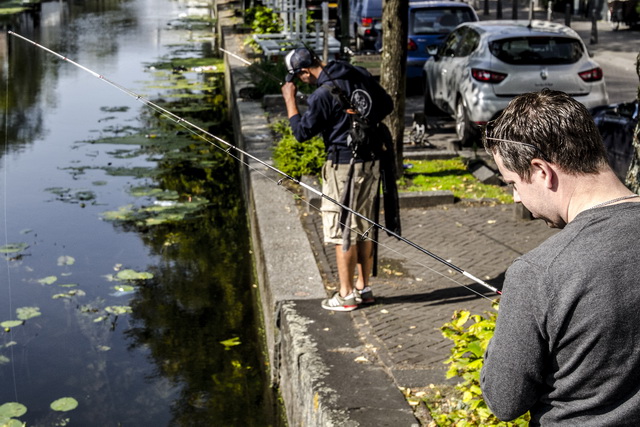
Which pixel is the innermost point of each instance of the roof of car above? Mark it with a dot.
(432, 3)
(512, 28)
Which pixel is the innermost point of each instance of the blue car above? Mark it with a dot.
(429, 23)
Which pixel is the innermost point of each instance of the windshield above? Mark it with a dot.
(537, 50)
(438, 20)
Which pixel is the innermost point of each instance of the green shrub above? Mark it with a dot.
(465, 407)
(297, 158)
(262, 20)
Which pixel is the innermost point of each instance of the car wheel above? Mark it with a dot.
(465, 130)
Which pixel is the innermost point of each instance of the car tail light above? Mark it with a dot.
(411, 45)
(592, 75)
(366, 22)
(487, 76)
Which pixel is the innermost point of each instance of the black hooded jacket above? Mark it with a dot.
(326, 115)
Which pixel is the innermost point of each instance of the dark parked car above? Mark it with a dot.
(365, 22)
(429, 23)
(616, 124)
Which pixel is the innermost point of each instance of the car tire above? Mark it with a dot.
(466, 131)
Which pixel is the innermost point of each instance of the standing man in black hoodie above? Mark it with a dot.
(351, 173)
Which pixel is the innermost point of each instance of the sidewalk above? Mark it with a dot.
(336, 368)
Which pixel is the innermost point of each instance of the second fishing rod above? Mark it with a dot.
(205, 135)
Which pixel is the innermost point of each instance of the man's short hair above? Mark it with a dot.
(549, 125)
(298, 59)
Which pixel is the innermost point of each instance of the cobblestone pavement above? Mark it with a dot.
(416, 295)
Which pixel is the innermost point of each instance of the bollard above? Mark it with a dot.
(594, 27)
(486, 7)
(325, 30)
(567, 15)
(532, 10)
(549, 10)
(514, 9)
(499, 10)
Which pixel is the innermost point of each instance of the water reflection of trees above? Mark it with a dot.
(20, 79)
(27, 73)
(202, 295)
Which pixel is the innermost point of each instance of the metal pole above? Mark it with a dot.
(594, 27)
(325, 30)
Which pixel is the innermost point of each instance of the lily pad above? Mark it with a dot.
(230, 342)
(66, 260)
(118, 309)
(25, 313)
(49, 280)
(12, 248)
(12, 409)
(65, 404)
(70, 294)
(122, 290)
(11, 323)
(129, 274)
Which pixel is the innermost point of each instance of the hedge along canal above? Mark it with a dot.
(127, 283)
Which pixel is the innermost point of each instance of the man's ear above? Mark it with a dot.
(543, 170)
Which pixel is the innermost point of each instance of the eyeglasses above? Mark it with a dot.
(526, 144)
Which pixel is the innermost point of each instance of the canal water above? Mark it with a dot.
(126, 285)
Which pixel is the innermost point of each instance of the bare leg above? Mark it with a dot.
(365, 262)
(346, 266)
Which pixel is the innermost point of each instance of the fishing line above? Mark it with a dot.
(5, 212)
(230, 148)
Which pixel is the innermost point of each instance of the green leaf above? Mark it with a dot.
(65, 404)
(11, 323)
(462, 318)
(66, 260)
(118, 309)
(25, 313)
(230, 342)
(133, 275)
(475, 347)
(12, 409)
(49, 280)
(13, 248)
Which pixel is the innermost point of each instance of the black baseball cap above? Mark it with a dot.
(296, 60)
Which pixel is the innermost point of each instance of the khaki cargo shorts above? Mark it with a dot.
(366, 178)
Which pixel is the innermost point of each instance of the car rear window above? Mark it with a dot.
(537, 50)
(438, 20)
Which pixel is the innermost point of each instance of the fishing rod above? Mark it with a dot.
(182, 122)
(243, 60)
(265, 73)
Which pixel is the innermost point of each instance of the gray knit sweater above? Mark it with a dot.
(567, 339)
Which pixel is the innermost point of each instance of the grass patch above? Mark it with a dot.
(449, 174)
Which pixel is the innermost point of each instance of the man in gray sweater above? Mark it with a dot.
(567, 339)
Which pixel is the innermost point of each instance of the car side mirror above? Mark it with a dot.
(433, 50)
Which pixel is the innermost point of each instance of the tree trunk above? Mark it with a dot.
(393, 69)
(633, 175)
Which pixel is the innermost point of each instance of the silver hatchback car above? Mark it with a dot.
(481, 66)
